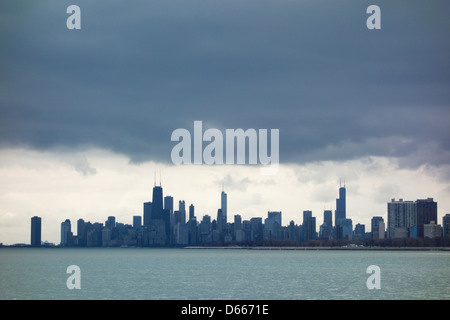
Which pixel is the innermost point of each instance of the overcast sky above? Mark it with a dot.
(86, 115)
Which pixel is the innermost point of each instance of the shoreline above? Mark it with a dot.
(328, 248)
(290, 248)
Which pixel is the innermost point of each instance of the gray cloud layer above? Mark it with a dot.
(138, 70)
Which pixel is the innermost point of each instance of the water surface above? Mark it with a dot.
(145, 273)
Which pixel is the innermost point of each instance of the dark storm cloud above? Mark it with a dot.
(138, 70)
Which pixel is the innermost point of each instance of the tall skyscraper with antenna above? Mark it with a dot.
(340, 212)
(157, 201)
(223, 204)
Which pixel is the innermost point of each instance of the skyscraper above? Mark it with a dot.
(309, 226)
(111, 222)
(223, 206)
(137, 222)
(446, 225)
(191, 212)
(36, 231)
(157, 206)
(360, 231)
(272, 225)
(377, 230)
(426, 212)
(81, 232)
(220, 221)
(328, 218)
(326, 229)
(402, 218)
(65, 232)
(147, 214)
(340, 212)
(347, 227)
(168, 203)
(182, 210)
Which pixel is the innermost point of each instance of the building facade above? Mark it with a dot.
(402, 217)
(36, 227)
(426, 212)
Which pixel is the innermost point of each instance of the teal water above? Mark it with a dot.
(144, 273)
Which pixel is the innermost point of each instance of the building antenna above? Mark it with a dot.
(160, 177)
(154, 178)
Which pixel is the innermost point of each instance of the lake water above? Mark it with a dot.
(236, 274)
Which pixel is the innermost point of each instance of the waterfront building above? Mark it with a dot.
(426, 212)
(36, 231)
(309, 226)
(402, 217)
(66, 232)
(378, 228)
(446, 225)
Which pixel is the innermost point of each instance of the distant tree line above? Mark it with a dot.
(388, 242)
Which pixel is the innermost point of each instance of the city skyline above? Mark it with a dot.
(94, 210)
(86, 115)
(165, 225)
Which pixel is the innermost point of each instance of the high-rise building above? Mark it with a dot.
(205, 229)
(272, 225)
(256, 228)
(182, 210)
(66, 232)
(148, 206)
(36, 231)
(157, 206)
(191, 212)
(377, 224)
(328, 218)
(223, 206)
(81, 233)
(359, 232)
(309, 226)
(110, 223)
(340, 212)
(238, 222)
(446, 225)
(426, 212)
(275, 216)
(193, 232)
(220, 220)
(347, 228)
(137, 222)
(238, 228)
(401, 218)
(168, 203)
(326, 229)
